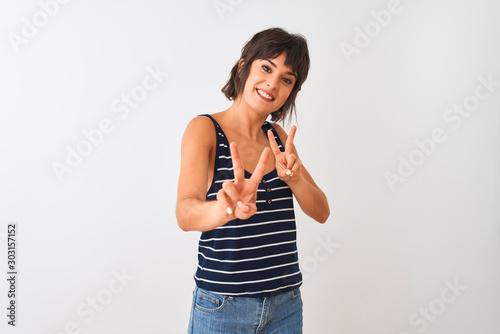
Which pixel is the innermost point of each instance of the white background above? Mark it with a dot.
(378, 265)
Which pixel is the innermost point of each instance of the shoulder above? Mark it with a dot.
(200, 131)
(200, 126)
(281, 132)
(201, 123)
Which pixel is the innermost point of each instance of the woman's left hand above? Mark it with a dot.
(288, 164)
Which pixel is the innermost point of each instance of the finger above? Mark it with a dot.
(281, 167)
(258, 173)
(242, 207)
(289, 140)
(239, 172)
(272, 142)
(251, 209)
(296, 170)
(290, 160)
(230, 189)
(225, 203)
(285, 174)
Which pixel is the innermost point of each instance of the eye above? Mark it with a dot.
(288, 81)
(266, 68)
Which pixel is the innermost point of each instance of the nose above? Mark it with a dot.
(272, 82)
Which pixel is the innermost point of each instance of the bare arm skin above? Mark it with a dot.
(290, 169)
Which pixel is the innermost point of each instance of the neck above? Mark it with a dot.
(249, 121)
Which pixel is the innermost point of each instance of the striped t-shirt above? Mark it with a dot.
(256, 257)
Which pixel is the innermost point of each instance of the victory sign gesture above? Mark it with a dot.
(288, 165)
(238, 198)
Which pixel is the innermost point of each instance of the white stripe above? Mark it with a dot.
(273, 189)
(224, 168)
(248, 236)
(223, 145)
(276, 210)
(246, 260)
(275, 200)
(248, 271)
(257, 224)
(279, 188)
(247, 282)
(222, 181)
(259, 201)
(224, 157)
(247, 248)
(271, 180)
(282, 199)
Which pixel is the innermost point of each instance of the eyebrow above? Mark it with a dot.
(275, 66)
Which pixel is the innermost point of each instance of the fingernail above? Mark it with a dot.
(288, 172)
(239, 203)
(229, 211)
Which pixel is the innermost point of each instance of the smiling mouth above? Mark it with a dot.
(266, 96)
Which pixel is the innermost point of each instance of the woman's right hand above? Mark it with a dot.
(237, 199)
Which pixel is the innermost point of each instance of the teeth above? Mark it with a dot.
(264, 94)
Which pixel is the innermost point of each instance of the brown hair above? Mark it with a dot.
(270, 43)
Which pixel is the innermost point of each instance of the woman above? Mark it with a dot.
(238, 174)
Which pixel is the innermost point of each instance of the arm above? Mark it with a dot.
(290, 169)
(193, 212)
(235, 199)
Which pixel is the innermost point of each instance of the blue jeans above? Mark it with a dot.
(213, 313)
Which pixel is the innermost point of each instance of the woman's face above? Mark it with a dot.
(268, 84)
